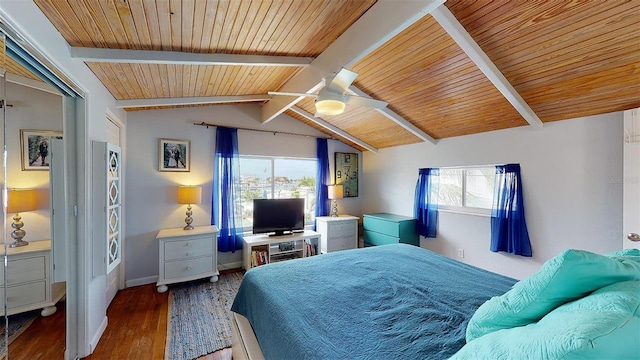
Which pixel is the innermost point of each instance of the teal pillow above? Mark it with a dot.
(570, 275)
(602, 325)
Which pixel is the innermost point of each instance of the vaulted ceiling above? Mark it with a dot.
(445, 69)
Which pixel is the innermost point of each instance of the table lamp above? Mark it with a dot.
(335, 192)
(189, 195)
(20, 201)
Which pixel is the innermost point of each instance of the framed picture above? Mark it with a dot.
(174, 155)
(346, 167)
(35, 148)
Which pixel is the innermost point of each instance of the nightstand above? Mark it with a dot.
(187, 255)
(337, 233)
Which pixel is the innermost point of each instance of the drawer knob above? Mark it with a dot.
(188, 267)
(188, 254)
(188, 244)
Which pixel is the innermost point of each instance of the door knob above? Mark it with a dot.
(633, 237)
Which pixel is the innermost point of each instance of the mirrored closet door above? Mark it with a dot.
(34, 278)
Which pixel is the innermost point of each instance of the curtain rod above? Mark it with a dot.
(274, 132)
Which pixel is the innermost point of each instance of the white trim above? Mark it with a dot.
(98, 335)
(229, 266)
(136, 103)
(393, 116)
(465, 210)
(31, 83)
(460, 35)
(101, 55)
(332, 128)
(141, 281)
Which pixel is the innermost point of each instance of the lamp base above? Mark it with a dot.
(19, 243)
(334, 208)
(188, 220)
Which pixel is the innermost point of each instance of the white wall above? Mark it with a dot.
(571, 174)
(30, 109)
(151, 195)
(29, 21)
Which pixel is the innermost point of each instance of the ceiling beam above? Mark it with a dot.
(31, 83)
(384, 20)
(182, 58)
(332, 128)
(460, 35)
(393, 116)
(138, 103)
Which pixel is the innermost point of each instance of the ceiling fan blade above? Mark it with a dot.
(284, 93)
(363, 101)
(341, 82)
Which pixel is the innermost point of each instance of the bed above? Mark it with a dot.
(404, 302)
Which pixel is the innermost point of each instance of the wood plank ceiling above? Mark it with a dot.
(566, 59)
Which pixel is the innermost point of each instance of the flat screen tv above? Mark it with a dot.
(278, 216)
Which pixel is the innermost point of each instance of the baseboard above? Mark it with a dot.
(229, 266)
(141, 281)
(98, 335)
(154, 279)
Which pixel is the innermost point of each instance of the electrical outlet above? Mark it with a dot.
(460, 253)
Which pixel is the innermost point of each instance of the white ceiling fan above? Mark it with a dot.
(332, 98)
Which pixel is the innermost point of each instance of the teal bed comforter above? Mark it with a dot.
(388, 302)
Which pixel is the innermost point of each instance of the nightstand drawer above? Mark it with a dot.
(24, 270)
(182, 249)
(341, 243)
(25, 295)
(342, 228)
(184, 268)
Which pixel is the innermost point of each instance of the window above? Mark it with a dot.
(264, 177)
(466, 188)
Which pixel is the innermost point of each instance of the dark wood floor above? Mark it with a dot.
(137, 330)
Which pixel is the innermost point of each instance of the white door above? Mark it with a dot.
(113, 277)
(631, 183)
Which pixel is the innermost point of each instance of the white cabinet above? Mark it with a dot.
(338, 233)
(28, 279)
(187, 255)
(107, 203)
(265, 249)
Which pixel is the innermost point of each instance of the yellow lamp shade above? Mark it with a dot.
(21, 200)
(335, 191)
(189, 194)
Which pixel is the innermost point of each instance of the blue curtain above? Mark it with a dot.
(508, 226)
(426, 202)
(322, 178)
(226, 212)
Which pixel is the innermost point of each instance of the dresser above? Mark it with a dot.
(187, 255)
(337, 233)
(29, 285)
(383, 229)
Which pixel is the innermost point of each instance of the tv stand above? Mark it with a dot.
(264, 249)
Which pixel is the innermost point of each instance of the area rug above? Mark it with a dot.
(18, 323)
(200, 317)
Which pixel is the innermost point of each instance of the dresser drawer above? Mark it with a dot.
(372, 238)
(341, 243)
(183, 249)
(341, 229)
(25, 294)
(184, 268)
(24, 270)
(382, 226)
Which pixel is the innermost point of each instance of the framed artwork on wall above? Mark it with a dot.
(346, 173)
(34, 148)
(174, 155)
